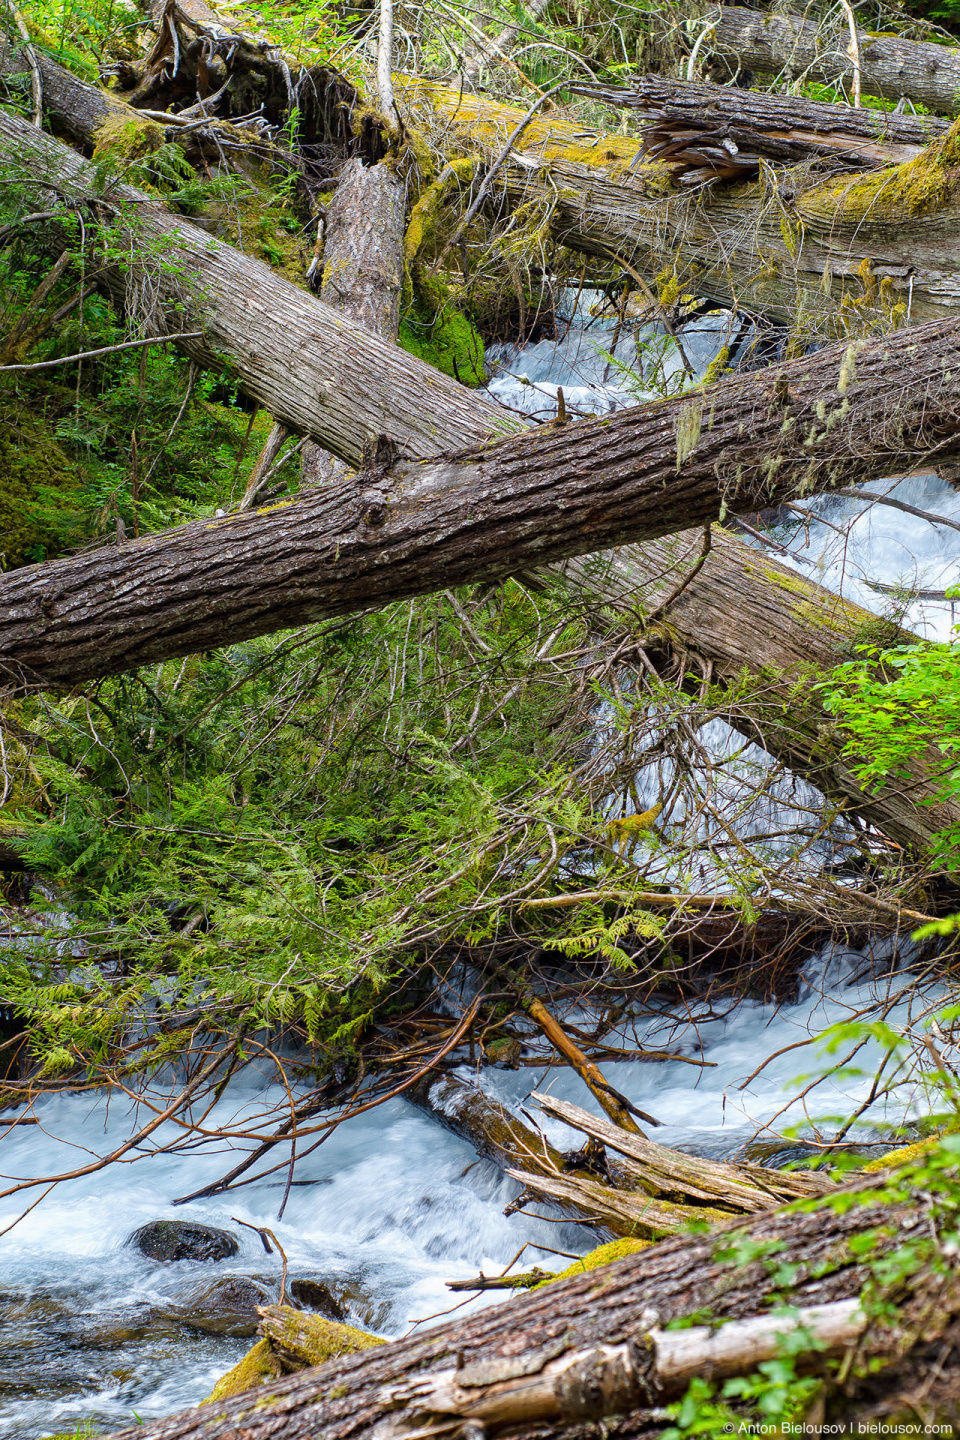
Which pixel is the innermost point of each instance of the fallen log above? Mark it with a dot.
(704, 130)
(883, 249)
(669, 1173)
(890, 67)
(334, 381)
(744, 613)
(642, 1191)
(473, 1370)
(406, 526)
(623, 1207)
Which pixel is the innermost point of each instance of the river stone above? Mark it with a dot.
(182, 1240)
(227, 1307)
(317, 1296)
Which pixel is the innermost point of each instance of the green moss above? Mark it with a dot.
(39, 490)
(124, 136)
(259, 1365)
(306, 1339)
(448, 341)
(917, 186)
(603, 1255)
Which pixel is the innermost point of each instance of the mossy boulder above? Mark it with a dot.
(293, 1340)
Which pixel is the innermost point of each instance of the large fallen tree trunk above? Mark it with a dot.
(589, 1348)
(744, 613)
(374, 387)
(881, 249)
(889, 66)
(406, 527)
(686, 116)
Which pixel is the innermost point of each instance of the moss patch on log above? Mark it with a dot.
(918, 186)
(300, 1338)
(259, 1365)
(594, 1259)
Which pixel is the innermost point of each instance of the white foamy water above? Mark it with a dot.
(88, 1329)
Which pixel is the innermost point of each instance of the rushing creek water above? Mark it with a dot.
(392, 1206)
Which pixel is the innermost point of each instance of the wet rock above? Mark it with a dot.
(317, 1296)
(169, 1240)
(504, 1053)
(228, 1307)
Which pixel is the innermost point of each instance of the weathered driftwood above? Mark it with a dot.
(669, 1173)
(795, 246)
(544, 1171)
(774, 43)
(329, 379)
(610, 1100)
(584, 1316)
(646, 1191)
(707, 130)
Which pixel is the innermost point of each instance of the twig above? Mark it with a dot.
(853, 50)
(265, 1237)
(385, 59)
(106, 350)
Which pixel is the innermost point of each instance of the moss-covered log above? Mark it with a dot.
(833, 1252)
(859, 252)
(891, 67)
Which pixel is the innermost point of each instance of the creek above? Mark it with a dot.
(393, 1206)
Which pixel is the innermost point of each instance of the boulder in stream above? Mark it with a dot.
(227, 1307)
(169, 1240)
(317, 1296)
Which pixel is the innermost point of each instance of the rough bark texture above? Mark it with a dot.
(616, 1305)
(408, 527)
(311, 368)
(362, 267)
(890, 67)
(726, 612)
(796, 246)
(782, 127)
(78, 109)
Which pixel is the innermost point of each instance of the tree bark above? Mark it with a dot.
(890, 67)
(786, 128)
(362, 267)
(362, 382)
(393, 1391)
(796, 246)
(405, 527)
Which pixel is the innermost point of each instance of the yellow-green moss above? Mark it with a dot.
(447, 340)
(257, 1366)
(904, 1155)
(307, 1339)
(482, 124)
(916, 187)
(603, 1255)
